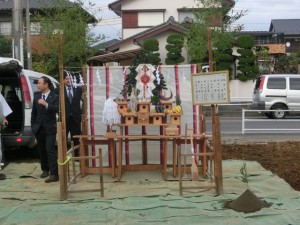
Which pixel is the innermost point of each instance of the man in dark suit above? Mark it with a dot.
(73, 112)
(43, 125)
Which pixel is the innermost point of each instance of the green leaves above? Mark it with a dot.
(73, 21)
(174, 47)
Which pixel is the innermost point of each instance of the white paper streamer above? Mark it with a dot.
(98, 76)
(110, 113)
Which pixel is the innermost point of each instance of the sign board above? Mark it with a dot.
(210, 88)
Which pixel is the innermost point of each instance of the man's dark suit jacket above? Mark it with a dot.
(42, 116)
(73, 108)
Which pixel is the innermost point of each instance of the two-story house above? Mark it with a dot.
(144, 19)
(291, 30)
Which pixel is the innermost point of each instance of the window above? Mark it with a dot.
(35, 28)
(33, 84)
(276, 83)
(183, 15)
(295, 83)
(5, 28)
(146, 19)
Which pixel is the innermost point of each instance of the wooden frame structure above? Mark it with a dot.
(72, 174)
(214, 170)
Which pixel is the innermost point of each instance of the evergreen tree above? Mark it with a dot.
(130, 80)
(150, 52)
(5, 47)
(159, 86)
(174, 48)
(224, 59)
(248, 69)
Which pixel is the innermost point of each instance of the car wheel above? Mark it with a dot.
(279, 114)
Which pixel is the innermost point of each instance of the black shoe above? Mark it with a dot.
(52, 178)
(2, 176)
(44, 174)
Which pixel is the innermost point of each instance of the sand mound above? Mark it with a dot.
(247, 203)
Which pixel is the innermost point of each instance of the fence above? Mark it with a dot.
(269, 125)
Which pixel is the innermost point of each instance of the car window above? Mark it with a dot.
(294, 83)
(33, 83)
(276, 83)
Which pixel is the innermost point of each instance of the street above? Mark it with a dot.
(263, 129)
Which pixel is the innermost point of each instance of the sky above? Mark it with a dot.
(258, 18)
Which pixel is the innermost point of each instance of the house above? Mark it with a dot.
(144, 19)
(35, 7)
(291, 30)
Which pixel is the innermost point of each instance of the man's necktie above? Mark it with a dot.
(44, 97)
(70, 95)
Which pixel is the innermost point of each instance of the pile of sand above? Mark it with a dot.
(247, 203)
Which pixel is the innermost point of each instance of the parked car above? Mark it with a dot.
(18, 88)
(277, 92)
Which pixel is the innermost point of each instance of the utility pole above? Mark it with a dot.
(28, 40)
(17, 31)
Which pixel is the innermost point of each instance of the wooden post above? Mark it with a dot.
(63, 187)
(63, 148)
(218, 157)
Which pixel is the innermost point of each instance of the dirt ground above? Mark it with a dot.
(282, 158)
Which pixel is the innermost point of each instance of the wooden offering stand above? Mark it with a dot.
(144, 118)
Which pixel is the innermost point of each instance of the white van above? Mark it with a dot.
(18, 88)
(277, 92)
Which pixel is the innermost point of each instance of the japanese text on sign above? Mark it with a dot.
(210, 88)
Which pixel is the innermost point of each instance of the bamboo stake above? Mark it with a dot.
(185, 175)
(194, 168)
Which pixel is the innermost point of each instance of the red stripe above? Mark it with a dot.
(162, 155)
(177, 81)
(92, 113)
(177, 85)
(195, 115)
(126, 146)
(107, 93)
(161, 132)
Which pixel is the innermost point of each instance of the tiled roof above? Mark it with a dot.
(286, 26)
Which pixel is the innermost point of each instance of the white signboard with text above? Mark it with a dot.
(210, 88)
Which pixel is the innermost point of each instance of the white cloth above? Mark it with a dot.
(6, 109)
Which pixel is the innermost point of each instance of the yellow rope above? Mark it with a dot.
(65, 162)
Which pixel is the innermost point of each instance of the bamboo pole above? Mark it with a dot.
(62, 116)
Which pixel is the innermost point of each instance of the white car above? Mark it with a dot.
(18, 88)
(280, 92)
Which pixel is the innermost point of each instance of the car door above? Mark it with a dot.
(293, 93)
(276, 91)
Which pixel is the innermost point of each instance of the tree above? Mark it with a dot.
(265, 60)
(247, 59)
(174, 48)
(77, 36)
(159, 86)
(150, 52)
(211, 13)
(224, 58)
(287, 64)
(5, 47)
